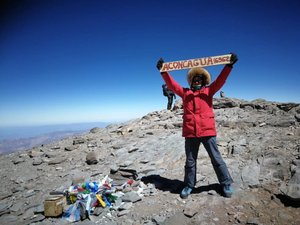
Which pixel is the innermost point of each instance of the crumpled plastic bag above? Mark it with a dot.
(73, 213)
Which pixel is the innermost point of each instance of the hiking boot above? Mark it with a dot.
(185, 192)
(227, 190)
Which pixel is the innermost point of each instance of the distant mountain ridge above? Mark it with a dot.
(22, 138)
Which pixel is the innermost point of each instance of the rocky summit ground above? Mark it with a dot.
(259, 141)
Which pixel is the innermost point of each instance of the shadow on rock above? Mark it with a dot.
(175, 186)
(211, 187)
(164, 184)
(288, 202)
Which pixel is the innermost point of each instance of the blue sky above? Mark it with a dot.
(66, 61)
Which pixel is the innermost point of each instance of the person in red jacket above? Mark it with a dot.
(199, 122)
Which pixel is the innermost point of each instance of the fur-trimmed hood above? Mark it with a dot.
(198, 71)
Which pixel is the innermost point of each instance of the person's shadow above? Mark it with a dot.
(176, 186)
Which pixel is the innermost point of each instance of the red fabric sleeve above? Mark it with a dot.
(172, 84)
(220, 81)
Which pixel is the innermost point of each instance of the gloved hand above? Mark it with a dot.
(233, 59)
(160, 63)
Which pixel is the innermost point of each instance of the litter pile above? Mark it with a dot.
(82, 200)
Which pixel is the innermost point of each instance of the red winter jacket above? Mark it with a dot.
(198, 115)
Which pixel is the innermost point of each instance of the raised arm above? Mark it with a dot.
(171, 83)
(221, 79)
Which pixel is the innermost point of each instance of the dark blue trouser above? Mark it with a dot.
(191, 150)
(170, 101)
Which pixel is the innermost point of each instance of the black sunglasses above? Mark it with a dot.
(198, 78)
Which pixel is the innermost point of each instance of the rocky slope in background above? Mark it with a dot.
(19, 138)
(259, 140)
(20, 144)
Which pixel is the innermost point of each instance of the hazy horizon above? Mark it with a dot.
(29, 131)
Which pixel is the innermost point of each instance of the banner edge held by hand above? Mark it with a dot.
(198, 62)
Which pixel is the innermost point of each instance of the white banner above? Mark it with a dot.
(199, 62)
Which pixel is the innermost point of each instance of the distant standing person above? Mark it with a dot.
(170, 94)
(222, 94)
(199, 123)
